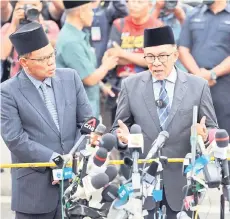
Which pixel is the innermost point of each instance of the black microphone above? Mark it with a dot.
(150, 175)
(88, 127)
(160, 103)
(99, 131)
(100, 157)
(112, 172)
(108, 141)
(109, 193)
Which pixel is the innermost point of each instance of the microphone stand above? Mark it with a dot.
(160, 185)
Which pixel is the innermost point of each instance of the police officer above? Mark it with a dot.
(204, 48)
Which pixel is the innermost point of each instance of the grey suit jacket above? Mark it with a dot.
(136, 105)
(32, 136)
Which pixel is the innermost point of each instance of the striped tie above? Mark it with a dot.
(50, 106)
(164, 111)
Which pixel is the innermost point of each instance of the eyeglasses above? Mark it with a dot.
(151, 58)
(45, 58)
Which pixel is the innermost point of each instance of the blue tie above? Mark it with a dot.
(50, 106)
(164, 111)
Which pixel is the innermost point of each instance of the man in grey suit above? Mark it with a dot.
(41, 108)
(162, 98)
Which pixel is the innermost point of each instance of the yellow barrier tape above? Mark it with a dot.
(113, 162)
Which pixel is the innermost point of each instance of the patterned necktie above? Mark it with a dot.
(50, 106)
(163, 112)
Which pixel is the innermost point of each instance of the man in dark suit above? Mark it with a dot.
(162, 98)
(41, 107)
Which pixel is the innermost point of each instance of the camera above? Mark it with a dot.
(170, 4)
(31, 13)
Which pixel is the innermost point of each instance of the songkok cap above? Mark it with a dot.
(74, 4)
(28, 38)
(158, 36)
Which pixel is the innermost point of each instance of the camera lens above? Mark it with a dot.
(31, 14)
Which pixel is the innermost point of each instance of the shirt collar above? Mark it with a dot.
(171, 78)
(38, 83)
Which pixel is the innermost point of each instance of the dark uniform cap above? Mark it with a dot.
(74, 4)
(158, 36)
(28, 38)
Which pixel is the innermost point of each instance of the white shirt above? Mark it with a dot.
(169, 86)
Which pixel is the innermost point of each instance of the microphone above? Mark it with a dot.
(158, 144)
(135, 143)
(182, 215)
(150, 175)
(108, 141)
(109, 193)
(95, 136)
(88, 126)
(222, 141)
(100, 157)
(111, 172)
(91, 184)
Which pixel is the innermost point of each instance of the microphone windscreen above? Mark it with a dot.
(222, 138)
(135, 129)
(100, 180)
(212, 135)
(112, 172)
(152, 170)
(100, 129)
(109, 194)
(100, 157)
(108, 141)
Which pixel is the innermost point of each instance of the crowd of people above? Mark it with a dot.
(151, 61)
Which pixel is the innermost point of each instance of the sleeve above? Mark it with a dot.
(75, 57)
(115, 34)
(13, 134)
(206, 108)
(185, 39)
(123, 109)
(84, 109)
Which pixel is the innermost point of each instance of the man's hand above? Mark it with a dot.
(107, 90)
(18, 15)
(204, 73)
(201, 129)
(160, 4)
(109, 62)
(122, 132)
(116, 51)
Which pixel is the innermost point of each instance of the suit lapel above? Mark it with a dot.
(149, 99)
(179, 92)
(59, 98)
(31, 93)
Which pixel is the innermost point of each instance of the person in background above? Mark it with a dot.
(204, 48)
(6, 11)
(25, 11)
(41, 110)
(126, 43)
(56, 9)
(74, 50)
(173, 13)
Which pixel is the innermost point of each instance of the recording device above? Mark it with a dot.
(109, 193)
(108, 141)
(170, 4)
(158, 144)
(31, 14)
(111, 172)
(160, 103)
(99, 131)
(135, 144)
